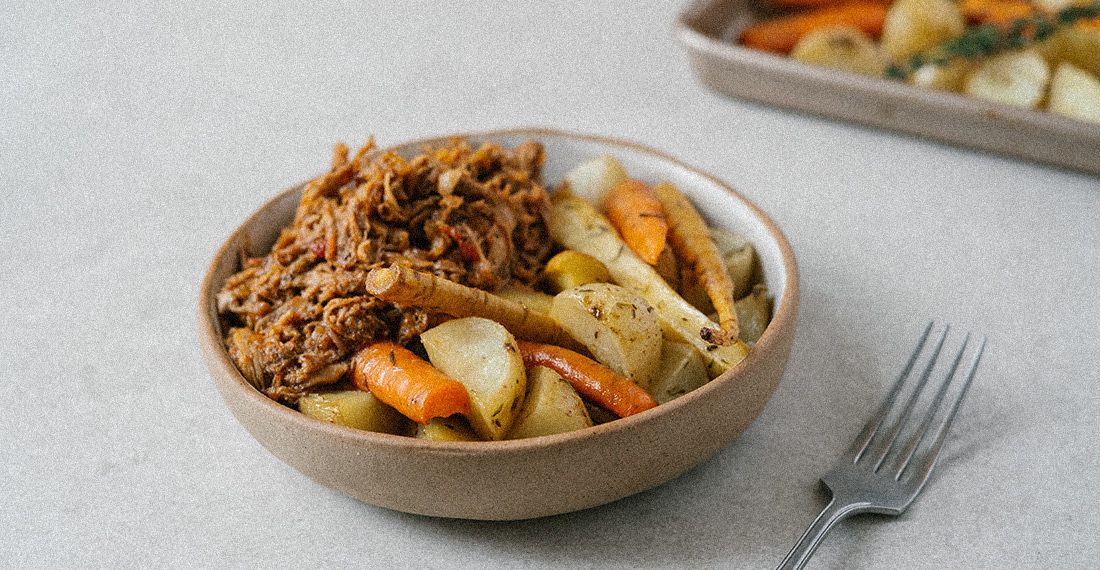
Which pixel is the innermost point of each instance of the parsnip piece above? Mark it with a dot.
(354, 408)
(570, 268)
(1075, 93)
(593, 179)
(753, 312)
(681, 371)
(617, 326)
(454, 428)
(577, 225)
(530, 298)
(913, 26)
(841, 47)
(483, 356)
(1016, 78)
(550, 406)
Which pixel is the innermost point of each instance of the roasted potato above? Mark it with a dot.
(530, 298)
(483, 356)
(1017, 78)
(1075, 93)
(570, 268)
(681, 371)
(550, 406)
(950, 76)
(617, 326)
(354, 408)
(841, 47)
(454, 428)
(753, 313)
(913, 26)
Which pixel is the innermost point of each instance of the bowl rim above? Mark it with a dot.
(784, 314)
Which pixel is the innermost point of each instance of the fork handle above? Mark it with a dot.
(833, 513)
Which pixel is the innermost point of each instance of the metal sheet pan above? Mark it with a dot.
(708, 30)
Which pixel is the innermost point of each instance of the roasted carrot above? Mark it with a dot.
(782, 33)
(636, 213)
(410, 384)
(1001, 13)
(690, 239)
(592, 379)
(812, 3)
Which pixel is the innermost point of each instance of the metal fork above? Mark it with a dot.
(863, 481)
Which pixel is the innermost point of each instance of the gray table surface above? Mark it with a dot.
(135, 136)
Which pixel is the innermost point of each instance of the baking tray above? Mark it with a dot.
(709, 29)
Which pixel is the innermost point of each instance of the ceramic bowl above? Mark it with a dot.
(541, 476)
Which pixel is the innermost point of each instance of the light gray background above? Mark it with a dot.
(134, 136)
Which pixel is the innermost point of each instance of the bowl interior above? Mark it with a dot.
(539, 476)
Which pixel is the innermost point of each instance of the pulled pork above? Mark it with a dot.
(478, 217)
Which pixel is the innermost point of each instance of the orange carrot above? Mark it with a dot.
(636, 213)
(410, 384)
(781, 34)
(1001, 13)
(592, 379)
(811, 3)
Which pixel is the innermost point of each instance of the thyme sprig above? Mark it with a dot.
(987, 39)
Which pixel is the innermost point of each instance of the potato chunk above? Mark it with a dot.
(1075, 93)
(681, 371)
(483, 356)
(354, 408)
(550, 406)
(842, 47)
(454, 428)
(570, 268)
(1016, 78)
(617, 326)
(913, 26)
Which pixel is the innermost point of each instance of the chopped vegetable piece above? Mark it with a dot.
(400, 378)
(637, 214)
(592, 379)
(690, 237)
(781, 34)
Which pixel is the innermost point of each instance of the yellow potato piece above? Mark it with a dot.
(354, 408)
(550, 406)
(842, 47)
(681, 371)
(1075, 93)
(617, 325)
(570, 268)
(1016, 78)
(913, 26)
(484, 357)
(454, 428)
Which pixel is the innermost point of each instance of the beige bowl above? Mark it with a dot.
(540, 476)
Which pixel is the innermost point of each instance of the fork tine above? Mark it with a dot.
(859, 446)
(914, 441)
(908, 406)
(929, 459)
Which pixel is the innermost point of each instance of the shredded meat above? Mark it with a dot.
(475, 216)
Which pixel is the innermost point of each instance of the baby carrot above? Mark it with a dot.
(592, 379)
(410, 384)
(636, 213)
(781, 34)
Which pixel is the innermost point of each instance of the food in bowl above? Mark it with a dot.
(453, 296)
